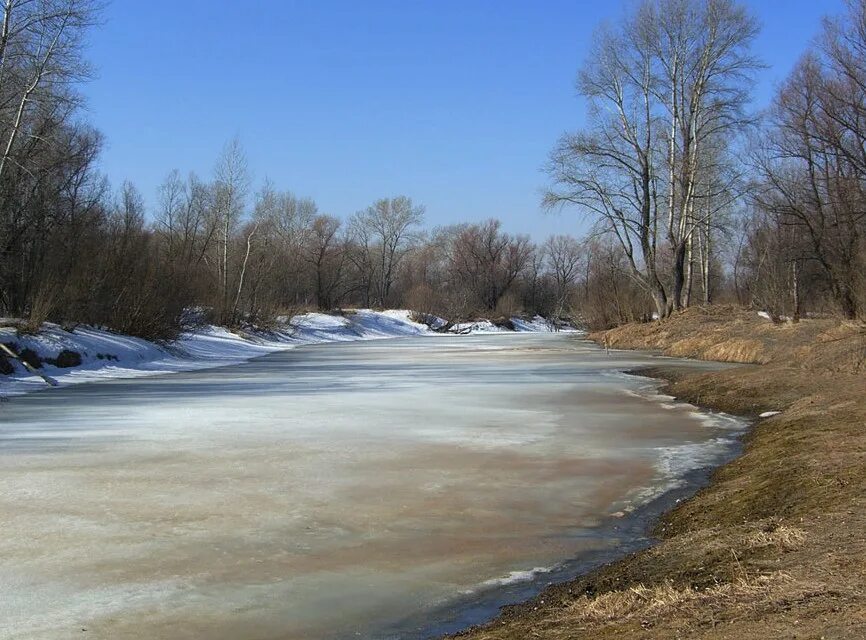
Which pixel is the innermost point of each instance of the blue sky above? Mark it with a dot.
(454, 103)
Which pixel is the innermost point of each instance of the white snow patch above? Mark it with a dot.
(478, 326)
(539, 324)
(516, 576)
(767, 316)
(769, 414)
(106, 355)
(674, 462)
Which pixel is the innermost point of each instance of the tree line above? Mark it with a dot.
(704, 198)
(211, 250)
(215, 249)
(696, 197)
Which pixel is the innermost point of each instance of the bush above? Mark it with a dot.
(30, 357)
(508, 305)
(65, 359)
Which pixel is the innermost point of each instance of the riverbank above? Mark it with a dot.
(89, 354)
(774, 547)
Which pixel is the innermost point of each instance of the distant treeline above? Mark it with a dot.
(694, 198)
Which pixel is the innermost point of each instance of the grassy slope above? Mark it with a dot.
(776, 546)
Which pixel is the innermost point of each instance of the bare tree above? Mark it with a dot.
(232, 182)
(40, 55)
(326, 255)
(487, 261)
(565, 258)
(702, 51)
(659, 85)
(47, 180)
(813, 160)
(611, 170)
(384, 233)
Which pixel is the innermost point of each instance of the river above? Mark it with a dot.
(354, 490)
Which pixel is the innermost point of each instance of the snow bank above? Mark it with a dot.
(106, 355)
(536, 325)
(478, 326)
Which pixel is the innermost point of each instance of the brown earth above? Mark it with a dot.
(775, 547)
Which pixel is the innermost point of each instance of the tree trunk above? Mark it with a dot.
(241, 278)
(795, 291)
(705, 264)
(690, 258)
(678, 269)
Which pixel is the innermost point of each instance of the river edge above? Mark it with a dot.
(773, 545)
(83, 354)
(635, 531)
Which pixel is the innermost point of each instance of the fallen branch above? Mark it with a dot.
(11, 353)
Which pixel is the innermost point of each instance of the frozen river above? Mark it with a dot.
(329, 491)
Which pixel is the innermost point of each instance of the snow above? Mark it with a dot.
(767, 316)
(514, 577)
(769, 414)
(479, 326)
(537, 324)
(106, 355)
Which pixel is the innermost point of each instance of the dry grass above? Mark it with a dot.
(784, 537)
(776, 546)
(666, 599)
(730, 334)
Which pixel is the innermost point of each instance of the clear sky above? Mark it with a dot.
(454, 103)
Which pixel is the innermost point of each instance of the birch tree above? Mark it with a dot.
(702, 51)
(40, 55)
(660, 84)
(610, 171)
(231, 186)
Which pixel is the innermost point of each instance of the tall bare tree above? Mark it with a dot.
(565, 258)
(40, 56)
(384, 233)
(487, 261)
(325, 252)
(231, 185)
(670, 77)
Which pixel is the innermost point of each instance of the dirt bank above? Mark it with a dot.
(776, 545)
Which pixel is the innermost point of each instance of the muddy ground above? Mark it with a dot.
(775, 547)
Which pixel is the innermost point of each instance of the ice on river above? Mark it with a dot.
(325, 491)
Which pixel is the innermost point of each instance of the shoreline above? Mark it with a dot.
(772, 545)
(105, 355)
(634, 531)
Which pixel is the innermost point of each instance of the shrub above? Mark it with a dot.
(30, 357)
(65, 359)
